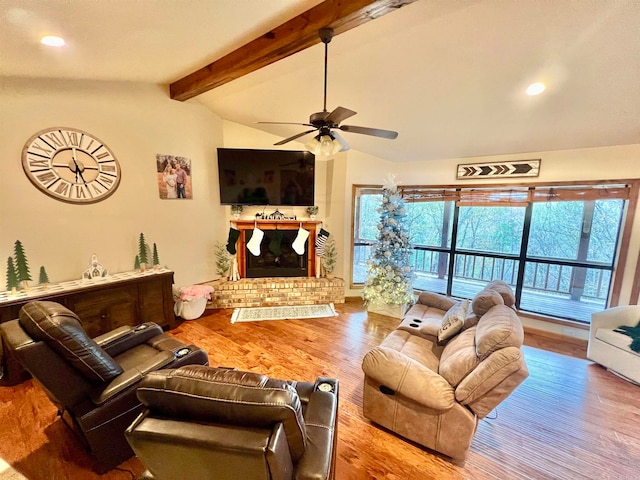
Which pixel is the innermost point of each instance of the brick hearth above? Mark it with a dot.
(265, 292)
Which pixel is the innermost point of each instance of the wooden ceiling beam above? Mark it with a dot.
(291, 37)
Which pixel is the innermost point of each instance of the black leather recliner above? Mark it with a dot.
(93, 381)
(217, 423)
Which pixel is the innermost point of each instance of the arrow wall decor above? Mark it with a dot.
(518, 168)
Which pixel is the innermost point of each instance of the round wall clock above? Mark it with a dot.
(71, 165)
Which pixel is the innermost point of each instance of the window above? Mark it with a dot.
(366, 216)
(555, 246)
(570, 256)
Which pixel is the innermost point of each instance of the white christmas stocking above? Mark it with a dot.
(300, 241)
(254, 244)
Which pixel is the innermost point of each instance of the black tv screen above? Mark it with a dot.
(266, 177)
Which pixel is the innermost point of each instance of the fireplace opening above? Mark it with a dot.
(286, 264)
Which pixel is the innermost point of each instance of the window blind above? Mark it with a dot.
(517, 196)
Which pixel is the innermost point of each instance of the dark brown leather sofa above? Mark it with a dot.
(93, 381)
(217, 423)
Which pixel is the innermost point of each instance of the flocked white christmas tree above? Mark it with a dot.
(390, 275)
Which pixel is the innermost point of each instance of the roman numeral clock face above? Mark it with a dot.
(71, 165)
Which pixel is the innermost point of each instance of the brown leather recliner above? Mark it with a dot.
(93, 381)
(223, 424)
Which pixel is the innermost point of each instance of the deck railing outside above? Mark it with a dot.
(547, 288)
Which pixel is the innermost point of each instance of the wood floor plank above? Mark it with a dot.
(570, 419)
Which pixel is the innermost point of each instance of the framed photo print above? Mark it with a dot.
(174, 177)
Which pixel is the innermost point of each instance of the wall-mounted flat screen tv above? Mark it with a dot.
(266, 177)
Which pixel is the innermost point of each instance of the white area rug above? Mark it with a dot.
(289, 312)
(8, 473)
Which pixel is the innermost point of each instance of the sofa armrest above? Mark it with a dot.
(125, 338)
(491, 373)
(106, 338)
(436, 300)
(612, 318)
(321, 424)
(404, 375)
(132, 376)
(616, 316)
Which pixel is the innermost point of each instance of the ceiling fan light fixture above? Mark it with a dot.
(325, 145)
(337, 138)
(313, 145)
(328, 145)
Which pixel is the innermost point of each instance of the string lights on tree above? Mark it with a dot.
(389, 277)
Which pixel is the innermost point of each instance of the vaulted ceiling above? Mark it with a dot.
(449, 76)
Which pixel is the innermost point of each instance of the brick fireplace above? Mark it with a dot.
(266, 292)
(298, 288)
(290, 228)
(286, 263)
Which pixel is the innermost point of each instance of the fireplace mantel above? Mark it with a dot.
(247, 225)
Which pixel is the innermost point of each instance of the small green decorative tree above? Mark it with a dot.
(12, 276)
(21, 264)
(223, 258)
(142, 252)
(136, 263)
(43, 277)
(389, 277)
(156, 259)
(330, 257)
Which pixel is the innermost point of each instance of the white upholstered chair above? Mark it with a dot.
(612, 349)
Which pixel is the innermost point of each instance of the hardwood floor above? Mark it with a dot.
(570, 419)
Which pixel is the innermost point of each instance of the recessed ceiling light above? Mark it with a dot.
(52, 41)
(535, 88)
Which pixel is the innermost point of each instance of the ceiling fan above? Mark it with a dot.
(328, 141)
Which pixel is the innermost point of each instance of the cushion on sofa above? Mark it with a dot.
(422, 349)
(459, 357)
(62, 330)
(485, 300)
(206, 394)
(615, 339)
(453, 321)
(436, 300)
(492, 380)
(499, 328)
(471, 319)
(504, 290)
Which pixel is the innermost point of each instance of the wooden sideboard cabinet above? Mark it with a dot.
(131, 300)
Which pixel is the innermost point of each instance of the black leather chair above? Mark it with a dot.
(93, 381)
(223, 424)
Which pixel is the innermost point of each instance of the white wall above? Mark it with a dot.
(136, 121)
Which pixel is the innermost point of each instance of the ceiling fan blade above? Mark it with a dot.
(376, 132)
(338, 115)
(285, 123)
(287, 140)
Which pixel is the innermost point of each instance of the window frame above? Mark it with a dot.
(628, 190)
